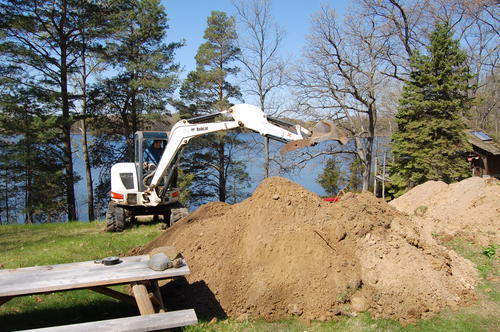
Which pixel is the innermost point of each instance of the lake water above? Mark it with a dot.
(305, 176)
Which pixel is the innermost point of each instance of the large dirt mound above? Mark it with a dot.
(284, 251)
(470, 208)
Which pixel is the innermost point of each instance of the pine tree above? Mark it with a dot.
(208, 90)
(144, 63)
(145, 76)
(430, 141)
(32, 163)
(93, 32)
(331, 179)
(39, 48)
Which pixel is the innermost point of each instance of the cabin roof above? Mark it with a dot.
(481, 139)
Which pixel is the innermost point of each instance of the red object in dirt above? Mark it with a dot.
(331, 199)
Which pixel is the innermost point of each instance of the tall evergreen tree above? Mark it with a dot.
(332, 178)
(31, 161)
(144, 63)
(208, 90)
(430, 141)
(40, 47)
(94, 30)
(145, 77)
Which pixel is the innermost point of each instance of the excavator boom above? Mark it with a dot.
(244, 116)
(147, 186)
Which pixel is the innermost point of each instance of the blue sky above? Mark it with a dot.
(187, 20)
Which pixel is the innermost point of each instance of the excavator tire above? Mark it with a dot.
(115, 218)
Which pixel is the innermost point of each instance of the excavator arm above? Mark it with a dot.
(244, 116)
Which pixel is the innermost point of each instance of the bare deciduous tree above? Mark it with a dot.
(403, 26)
(343, 75)
(260, 40)
(478, 30)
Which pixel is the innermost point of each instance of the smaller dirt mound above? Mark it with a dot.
(470, 208)
(284, 252)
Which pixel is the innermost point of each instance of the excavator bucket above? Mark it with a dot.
(324, 130)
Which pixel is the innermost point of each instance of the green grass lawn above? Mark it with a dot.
(31, 245)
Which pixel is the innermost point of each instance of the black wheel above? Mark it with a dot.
(115, 218)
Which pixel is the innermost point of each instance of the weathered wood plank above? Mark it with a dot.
(88, 266)
(153, 322)
(142, 298)
(133, 270)
(25, 281)
(70, 266)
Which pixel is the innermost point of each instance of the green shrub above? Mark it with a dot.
(490, 250)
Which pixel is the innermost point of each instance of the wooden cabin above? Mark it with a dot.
(485, 157)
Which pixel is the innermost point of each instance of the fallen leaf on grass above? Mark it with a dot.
(38, 299)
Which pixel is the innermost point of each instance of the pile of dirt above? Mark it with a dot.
(284, 252)
(469, 209)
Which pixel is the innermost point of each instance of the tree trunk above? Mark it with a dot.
(372, 119)
(222, 171)
(221, 148)
(68, 157)
(88, 172)
(6, 191)
(266, 157)
(126, 133)
(66, 123)
(133, 125)
(28, 204)
(68, 160)
(367, 167)
(85, 150)
(364, 152)
(266, 139)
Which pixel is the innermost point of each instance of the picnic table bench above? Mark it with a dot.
(97, 277)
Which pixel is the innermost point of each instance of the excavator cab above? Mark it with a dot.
(129, 181)
(149, 147)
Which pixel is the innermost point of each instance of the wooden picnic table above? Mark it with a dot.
(93, 276)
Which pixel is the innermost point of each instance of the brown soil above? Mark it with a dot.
(469, 209)
(284, 252)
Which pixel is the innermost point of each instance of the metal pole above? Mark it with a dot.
(375, 179)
